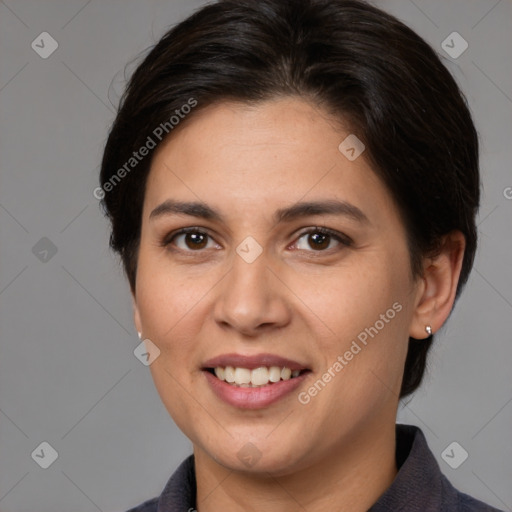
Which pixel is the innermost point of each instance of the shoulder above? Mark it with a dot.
(179, 492)
(148, 506)
(420, 483)
(461, 502)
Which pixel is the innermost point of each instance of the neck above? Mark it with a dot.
(349, 478)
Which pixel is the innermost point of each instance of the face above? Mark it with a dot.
(261, 285)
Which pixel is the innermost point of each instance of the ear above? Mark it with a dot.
(436, 294)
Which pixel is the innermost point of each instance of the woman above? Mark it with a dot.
(292, 188)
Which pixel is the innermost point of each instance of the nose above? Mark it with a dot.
(252, 300)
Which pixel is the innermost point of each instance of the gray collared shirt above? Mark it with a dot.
(419, 485)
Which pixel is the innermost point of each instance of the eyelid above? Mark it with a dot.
(341, 238)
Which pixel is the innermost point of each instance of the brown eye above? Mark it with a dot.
(195, 240)
(321, 239)
(189, 240)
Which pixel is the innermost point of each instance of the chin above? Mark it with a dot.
(259, 456)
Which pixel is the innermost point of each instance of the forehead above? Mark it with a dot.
(279, 126)
(261, 156)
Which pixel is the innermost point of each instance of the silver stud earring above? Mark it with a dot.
(428, 329)
(140, 335)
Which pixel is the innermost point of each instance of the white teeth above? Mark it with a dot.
(274, 374)
(261, 376)
(229, 374)
(219, 371)
(286, 373)
(242, 376)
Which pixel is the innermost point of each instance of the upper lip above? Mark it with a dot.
(251, 362)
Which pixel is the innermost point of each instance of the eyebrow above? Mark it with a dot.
(304, 209)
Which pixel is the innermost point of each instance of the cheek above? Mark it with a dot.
(364, 310)
(346, 300)
(166, 303)
(168, 306)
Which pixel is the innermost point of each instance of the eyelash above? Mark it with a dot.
(344, 240)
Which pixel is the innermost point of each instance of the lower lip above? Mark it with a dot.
(253, 398)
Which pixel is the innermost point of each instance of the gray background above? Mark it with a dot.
(68, 375)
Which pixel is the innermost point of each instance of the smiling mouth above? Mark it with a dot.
(254, 378)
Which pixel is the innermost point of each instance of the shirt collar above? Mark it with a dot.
(419, 481)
